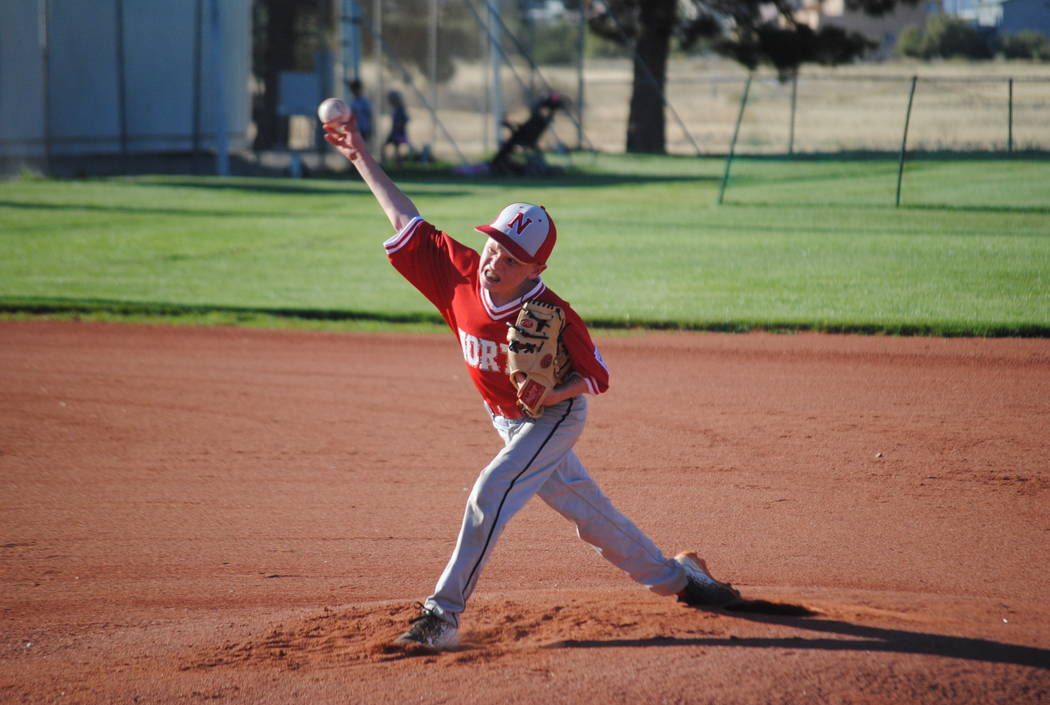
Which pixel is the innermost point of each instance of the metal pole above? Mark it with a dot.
(339, 63)
(222, 157)
(324, 65)
(380, 106)
(794, 101)
(530, 39)
(433, 38)
(1010, 118)
(581, 46)
(355, 39)
(198, 20)
(45, 60)
(904, 139)
(497, 66)
(122, 90)
(732, 142)
(484, 45)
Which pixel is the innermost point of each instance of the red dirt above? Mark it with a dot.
(215, 514)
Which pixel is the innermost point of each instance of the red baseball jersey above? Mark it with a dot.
(446, 272)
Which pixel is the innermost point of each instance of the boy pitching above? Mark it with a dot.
(479, 295)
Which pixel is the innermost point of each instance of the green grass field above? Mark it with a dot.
(798, 244)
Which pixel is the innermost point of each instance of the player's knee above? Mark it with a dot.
(486, 496)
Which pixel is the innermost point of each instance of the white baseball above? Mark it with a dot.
(333, 109)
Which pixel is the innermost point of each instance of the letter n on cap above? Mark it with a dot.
(519, 222)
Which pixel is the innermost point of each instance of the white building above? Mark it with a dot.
(1004, 16)
(94, 77)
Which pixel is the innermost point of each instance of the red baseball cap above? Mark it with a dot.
(527, 231)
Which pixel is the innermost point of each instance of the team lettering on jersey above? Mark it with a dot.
(482, 354)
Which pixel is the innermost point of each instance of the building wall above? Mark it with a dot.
(115, 76)
(1019, 15)
(885, 29)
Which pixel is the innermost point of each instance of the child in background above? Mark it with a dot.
(398, 126)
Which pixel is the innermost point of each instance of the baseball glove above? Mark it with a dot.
(536, 359)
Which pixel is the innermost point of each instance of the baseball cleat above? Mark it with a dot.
(702, 590)
(430, 630)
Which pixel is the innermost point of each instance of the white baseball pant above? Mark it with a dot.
(537, 458)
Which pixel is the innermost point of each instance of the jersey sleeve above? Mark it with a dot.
(587, 361)
(430, 260)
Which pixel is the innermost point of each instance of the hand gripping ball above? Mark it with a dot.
(333, 110)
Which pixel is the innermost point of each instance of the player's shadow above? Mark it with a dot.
(852, 637)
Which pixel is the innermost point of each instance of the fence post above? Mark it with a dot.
(122, 86)
(581, 47)
(904, 139)
(732, 141)
(794, 101)
(45, 61)
(432, 59)
(1010, 117)
(218, 45)
(198, 73)
(496, 47)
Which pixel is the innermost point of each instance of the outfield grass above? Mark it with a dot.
(798, 244)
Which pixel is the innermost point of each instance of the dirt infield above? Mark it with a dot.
(226, 515)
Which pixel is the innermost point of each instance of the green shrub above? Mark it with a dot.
(911, 42)
(943, 37)
(1028, 44)
(555, 43)
(602, 48)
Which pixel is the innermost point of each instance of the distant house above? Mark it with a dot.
(1019, 15)
(984, 14)
(1004, 16)
(884, 29)
(111, 77)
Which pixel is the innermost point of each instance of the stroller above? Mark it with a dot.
(524, 138)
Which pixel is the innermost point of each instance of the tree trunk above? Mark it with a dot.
(645, 125)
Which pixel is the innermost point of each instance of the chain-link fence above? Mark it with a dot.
(468, 74)
(856, 109)
(852, 109)
(444, 57)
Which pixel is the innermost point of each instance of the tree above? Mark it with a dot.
(1027, 44)
(943, 37)
(751, 32)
